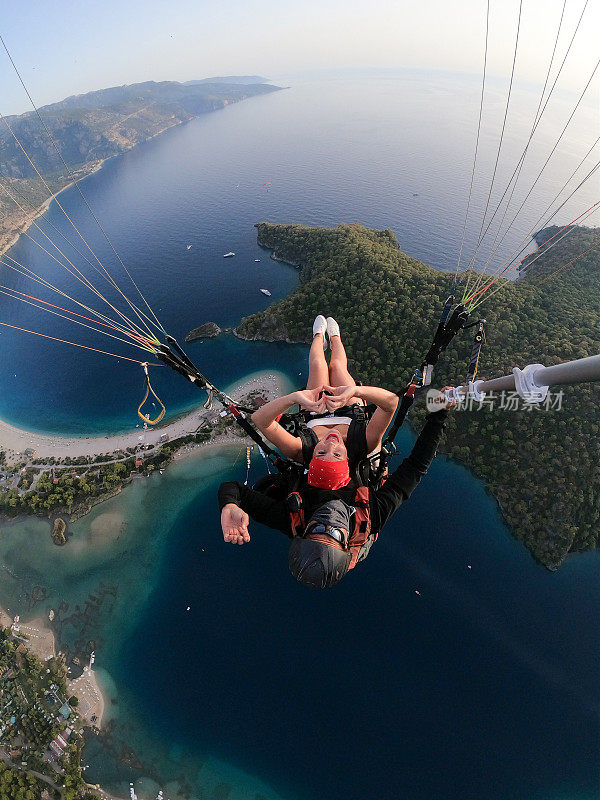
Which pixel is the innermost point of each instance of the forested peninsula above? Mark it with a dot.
(92, 127)
(542, 466)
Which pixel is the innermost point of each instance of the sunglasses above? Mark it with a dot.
(339, 534)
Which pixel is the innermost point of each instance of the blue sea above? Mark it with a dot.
(483, 685)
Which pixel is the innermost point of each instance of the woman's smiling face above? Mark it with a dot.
(331, 448)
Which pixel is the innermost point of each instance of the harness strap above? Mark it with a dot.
(180, 362)
(362, 532)
(476, 351)
(433, 354)
(408, 398)
(362, 524)
(450, 323)
(243, 422)
(447, 329)
(296, 509)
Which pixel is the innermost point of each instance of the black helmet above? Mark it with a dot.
(316, 564)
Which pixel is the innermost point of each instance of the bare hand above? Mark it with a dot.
(449, 403)
(234, 522)
(310, 400)
(338, 396)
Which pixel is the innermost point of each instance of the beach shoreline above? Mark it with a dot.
(93, 702)
(22, 223)
(28, 219)
(16, 441)
(39, 637)
(36, 628)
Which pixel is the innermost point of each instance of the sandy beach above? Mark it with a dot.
(39, 637)
(91, 701)
(15, 441)
(5, 619)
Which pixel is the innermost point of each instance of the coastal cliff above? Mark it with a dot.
(92, 127)
(387, 304)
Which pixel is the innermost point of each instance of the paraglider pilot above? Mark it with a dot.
(330, 513)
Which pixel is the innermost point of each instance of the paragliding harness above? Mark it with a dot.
(361, 538)
(370, 471)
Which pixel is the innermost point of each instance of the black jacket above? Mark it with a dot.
(398, 487)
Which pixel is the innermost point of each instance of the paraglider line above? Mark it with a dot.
(462, 241)
(82, 195)
(519, 167)
(76, 344)
(469, 301)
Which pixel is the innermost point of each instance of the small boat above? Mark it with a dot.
(132, 794)
(159, 796)
(257, 260)
(229, 255)
(266, 291)
(189, 247)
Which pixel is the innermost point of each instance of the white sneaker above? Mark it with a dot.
(333, 329)
(320, 326)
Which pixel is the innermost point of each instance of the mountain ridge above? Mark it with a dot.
(90, 128)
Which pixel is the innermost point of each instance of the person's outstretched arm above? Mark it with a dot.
(237, 501)
(265, 419)
(404, 480)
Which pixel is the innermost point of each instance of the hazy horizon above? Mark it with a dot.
(189, 40)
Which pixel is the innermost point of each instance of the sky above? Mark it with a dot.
(72, 46)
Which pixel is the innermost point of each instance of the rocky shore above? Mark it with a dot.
(208, 330)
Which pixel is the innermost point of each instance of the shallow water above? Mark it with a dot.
(98, 586)
(481, 672)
